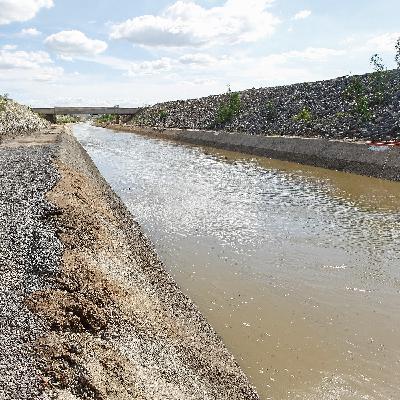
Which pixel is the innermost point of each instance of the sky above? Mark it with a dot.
(134, 53)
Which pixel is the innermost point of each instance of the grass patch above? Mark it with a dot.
(106, 118)
(304, 115)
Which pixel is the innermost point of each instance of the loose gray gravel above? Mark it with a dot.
(29, 256)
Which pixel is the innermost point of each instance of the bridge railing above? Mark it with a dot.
(85, 110)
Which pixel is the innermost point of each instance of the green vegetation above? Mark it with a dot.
(67, 119)
(304, 115)
(379, 81)
(3, 100)
(362, 108)
(229, 109)
(377, 63)
(106, 118)
(163, 115)
(271, 111)
(356, 93)
(375, 90)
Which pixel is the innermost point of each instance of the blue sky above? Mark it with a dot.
(70, 52)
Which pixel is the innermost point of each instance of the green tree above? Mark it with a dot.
(230, 108)
(397, 58)
(377, 63)
(163, 115)
(379, 80)
(356, 92)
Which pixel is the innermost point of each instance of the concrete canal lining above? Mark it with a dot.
(355, 157)
(113, 323)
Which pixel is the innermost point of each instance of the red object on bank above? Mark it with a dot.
(387, 143)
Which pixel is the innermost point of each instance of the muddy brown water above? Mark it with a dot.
(296, 267)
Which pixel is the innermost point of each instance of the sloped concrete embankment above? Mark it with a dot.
(356, 157)
(111, 323)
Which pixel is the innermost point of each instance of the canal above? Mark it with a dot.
(297, 268)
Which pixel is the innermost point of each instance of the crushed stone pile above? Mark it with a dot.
(16, 119)
(316, 109)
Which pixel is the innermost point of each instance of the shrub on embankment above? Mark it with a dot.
(16, 119)
(357, 107)
(67, 119)
(106, 119)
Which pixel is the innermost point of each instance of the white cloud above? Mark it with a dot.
(319, 54)
(362, 47)
(9, 47)
(65, 58)
(186, 23)
(383, 43)
(288, 67)
(158, 66)
(150, 67)
(30, 32)
(179, 65)
(23, 59)
(48, 74)
(74, 43)
(204, 67)
(197, 59)
(30, 65)
(167, 79)
(21, 10)
(134, 68)
(201, 82)
(303, 14)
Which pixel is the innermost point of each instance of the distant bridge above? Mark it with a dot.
(50, 112)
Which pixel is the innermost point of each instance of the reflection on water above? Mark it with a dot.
(296, 267)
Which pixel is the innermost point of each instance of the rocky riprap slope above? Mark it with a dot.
(16, 119)
(272, 111)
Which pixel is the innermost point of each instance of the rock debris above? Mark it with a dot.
(275, 111)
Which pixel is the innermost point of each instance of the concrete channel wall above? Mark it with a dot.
(356, 157)
(106, 321)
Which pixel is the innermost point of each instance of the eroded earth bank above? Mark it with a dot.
(87, 308)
